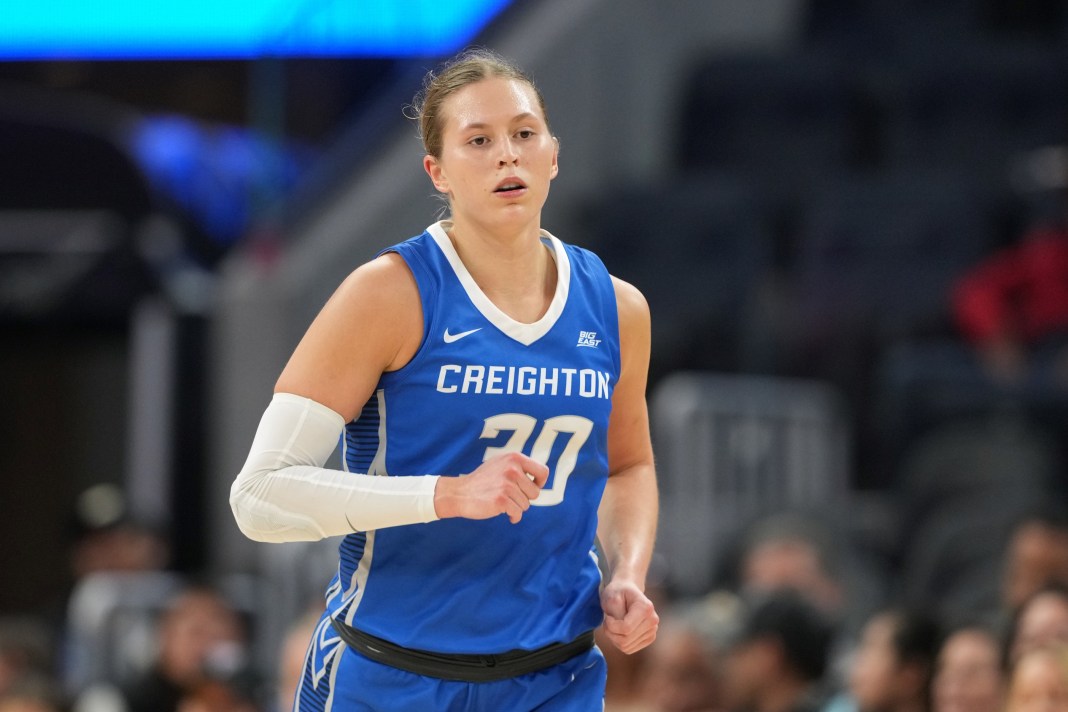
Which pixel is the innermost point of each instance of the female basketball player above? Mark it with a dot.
(483, 368)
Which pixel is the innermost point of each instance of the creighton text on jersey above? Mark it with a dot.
(524, 381)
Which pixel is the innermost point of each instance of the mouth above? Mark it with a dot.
(510, 185)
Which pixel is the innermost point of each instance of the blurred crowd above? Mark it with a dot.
(789, 632)
(788, 625)
(793, 636)
(784, 629)
(130, 635)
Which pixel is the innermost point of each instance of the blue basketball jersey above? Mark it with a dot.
(483, 384)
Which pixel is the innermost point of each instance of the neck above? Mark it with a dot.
(513, 269)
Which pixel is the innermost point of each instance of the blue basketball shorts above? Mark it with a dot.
(338, 679)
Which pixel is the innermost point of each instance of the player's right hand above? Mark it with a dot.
(504, 484)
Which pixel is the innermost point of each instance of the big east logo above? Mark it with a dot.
(588, 338)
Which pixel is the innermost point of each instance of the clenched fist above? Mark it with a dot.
(505, 484)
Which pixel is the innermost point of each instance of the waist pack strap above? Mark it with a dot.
(464, 668)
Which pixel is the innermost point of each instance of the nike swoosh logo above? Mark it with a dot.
(449, 338)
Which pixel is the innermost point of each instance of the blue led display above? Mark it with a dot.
(239, 29)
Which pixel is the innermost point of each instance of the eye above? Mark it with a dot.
(479, 141)
(524, 133)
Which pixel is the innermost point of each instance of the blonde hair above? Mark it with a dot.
(468, 67)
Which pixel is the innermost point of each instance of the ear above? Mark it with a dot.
(556, 155)
(437, 176)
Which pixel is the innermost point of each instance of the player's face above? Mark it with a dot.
(497, 155)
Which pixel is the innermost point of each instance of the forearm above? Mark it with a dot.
(627, 522)
(283, 493)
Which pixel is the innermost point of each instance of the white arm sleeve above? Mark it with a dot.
(283, 493)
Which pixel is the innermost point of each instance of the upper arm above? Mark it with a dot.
(629, 442)
(372, 324)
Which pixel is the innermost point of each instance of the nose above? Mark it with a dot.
(508, 152)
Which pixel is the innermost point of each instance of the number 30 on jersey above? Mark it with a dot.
(522, 428)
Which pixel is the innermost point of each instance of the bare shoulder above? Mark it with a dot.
(631, 303)
(379, 301)
(373, 323)
(385, 280)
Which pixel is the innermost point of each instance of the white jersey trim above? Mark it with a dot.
(525, 334)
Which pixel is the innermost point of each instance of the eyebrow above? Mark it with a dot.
(481, 124)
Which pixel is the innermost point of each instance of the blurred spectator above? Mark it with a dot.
(793, 551)
(24, 651)
(1012, 311)
(1039, 682)
(789, 551)
(201, 641)
(969, 676)
(18, 703)
(1037, 556)
(31, 693)
(1041, 621)
(894, 664)
(779, 657)
(685, 666)
(220, 696)
(682, 674)
(36, 700)
(625, 672)
(108, 538)
(1014, 307)
(291, 658)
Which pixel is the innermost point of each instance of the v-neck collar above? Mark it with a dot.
(524, 333)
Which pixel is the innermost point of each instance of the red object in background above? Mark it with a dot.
(1019, 293)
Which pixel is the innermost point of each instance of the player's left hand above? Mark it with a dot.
(630, 619)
